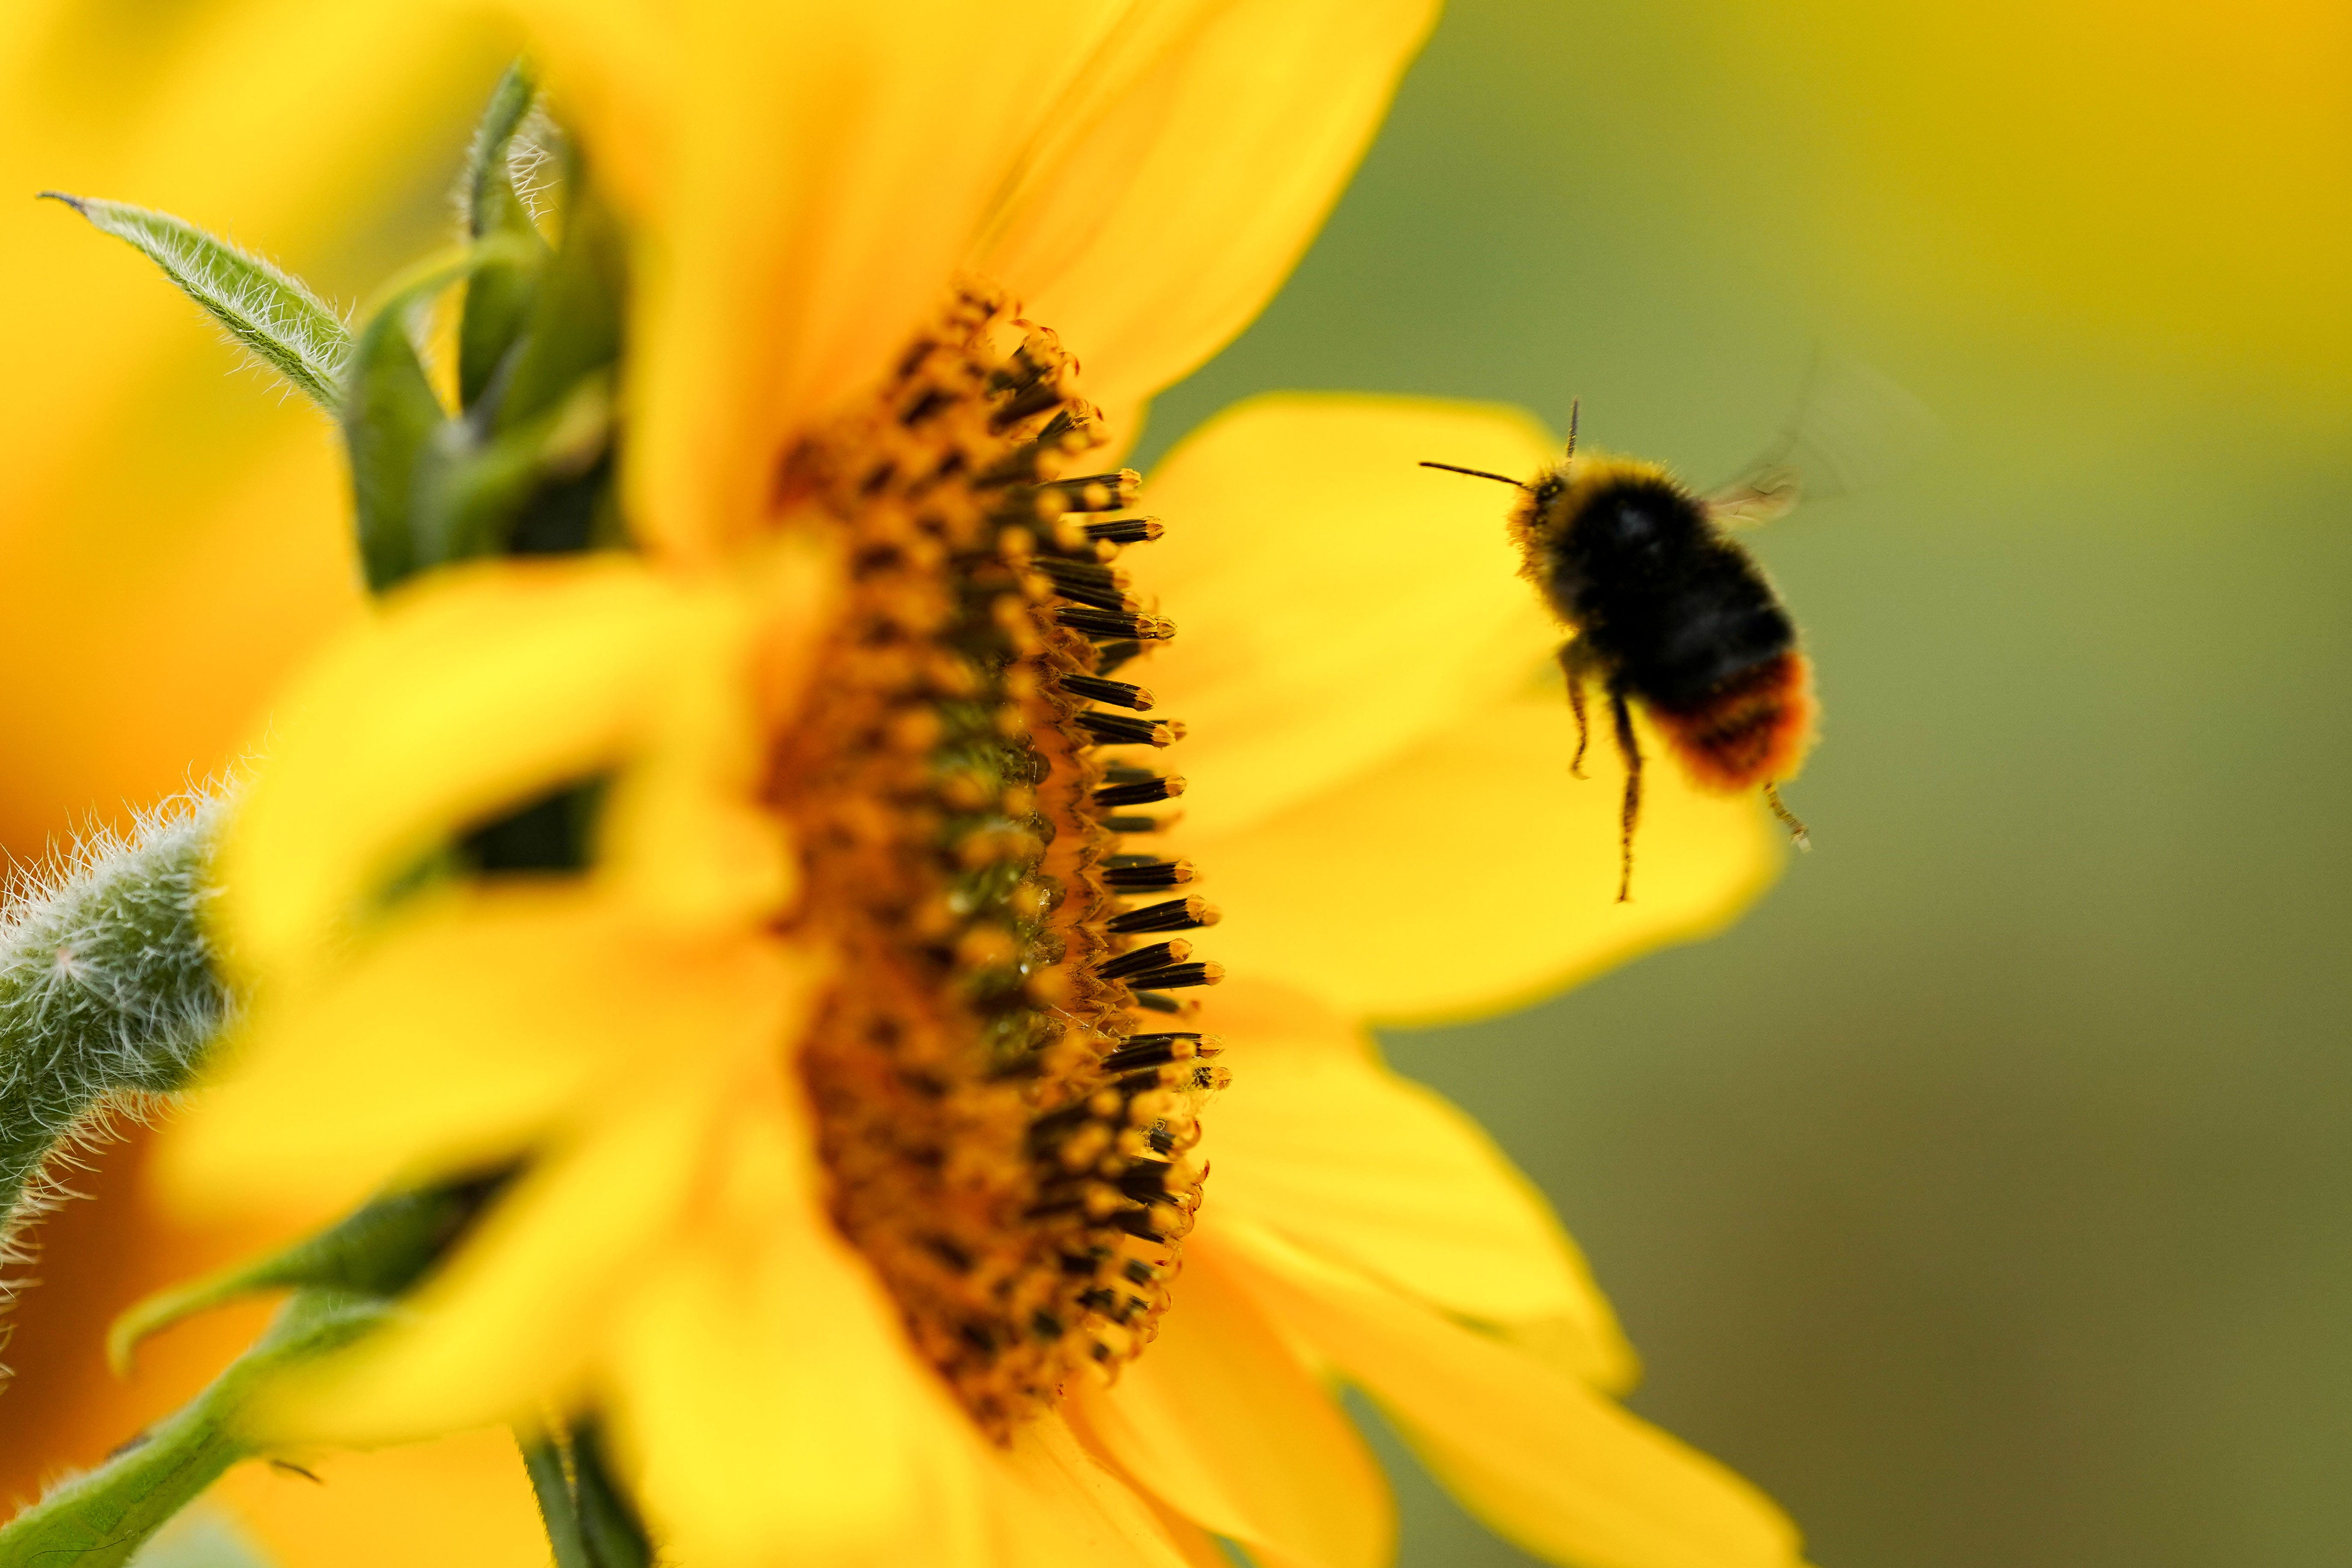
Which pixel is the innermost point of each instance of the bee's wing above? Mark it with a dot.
(1765, 493)
(1853, 428)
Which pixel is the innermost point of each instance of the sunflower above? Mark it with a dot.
(847, 1131)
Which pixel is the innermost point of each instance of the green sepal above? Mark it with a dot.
(471, 494)
(574, 330)
(609, 1526)
(391, 412)
(500, 296)
(591, 1523)
(548, 1467)
(380, 1250)
(99, 1519)
(267, 312)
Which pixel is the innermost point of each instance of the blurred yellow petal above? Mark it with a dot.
(462, 1502)
(681, 832)
(516, 1317)
(1195, 1547)
(611, 71)
(774, 1413)
(1473, 873)
(1317, 1141)
(1222, 1423)
(1549, 1462)
(1196, 160)
(827, 168)
(1337, 603)
(452, 1042)
(481, 687)
(1063, 1509)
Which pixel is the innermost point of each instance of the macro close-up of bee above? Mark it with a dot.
(1666, 609)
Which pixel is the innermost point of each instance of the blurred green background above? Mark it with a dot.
(1984, 1194)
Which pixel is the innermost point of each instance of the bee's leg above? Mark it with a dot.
(1630, 750)
(1797, 834)
(1576, 663)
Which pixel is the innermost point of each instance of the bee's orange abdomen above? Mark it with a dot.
(1752, 730)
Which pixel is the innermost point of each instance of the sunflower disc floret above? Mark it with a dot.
(1007, 1142)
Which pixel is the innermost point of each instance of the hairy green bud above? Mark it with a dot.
(108, 990)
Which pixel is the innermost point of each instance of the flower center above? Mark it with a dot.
(1008, 1143)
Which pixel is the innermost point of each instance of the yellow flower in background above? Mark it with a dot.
(689, 1053)
(152, 523)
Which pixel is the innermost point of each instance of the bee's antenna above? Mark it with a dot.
(1481, 474)
(1575, 407)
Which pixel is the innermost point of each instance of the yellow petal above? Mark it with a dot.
(826, 170)
(682, 834)
(1220, 1420)
(1058, 1507)
(775, 1415)
(367, 1513)
(513, 1320)
(1336, 604)
(1475, 873)
(1560, 1469)
(454, 1040)
(1196, 1547)
(478, 689)
(1194, 161)
(611, 70)
(1318, 1140)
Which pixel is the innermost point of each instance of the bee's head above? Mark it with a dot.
(1598, 502)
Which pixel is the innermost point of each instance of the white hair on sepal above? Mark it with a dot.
(536, 158)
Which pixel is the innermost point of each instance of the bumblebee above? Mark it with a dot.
(1666, 609)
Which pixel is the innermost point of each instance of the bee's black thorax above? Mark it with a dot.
(1670, 605)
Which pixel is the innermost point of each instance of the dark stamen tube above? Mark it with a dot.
(1113, 624)
(1138, 790)
(1087, 573)
(1118, 693)
(1099, 492)
(1156, 1051)
(1148, 873)
(1029, 400)
(1177, 914)
(1118, 729)
(1177, 976)
(1126, 531)
(1101, 598)
(1158, 954)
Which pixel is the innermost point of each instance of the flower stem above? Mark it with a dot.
(591, 1522)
